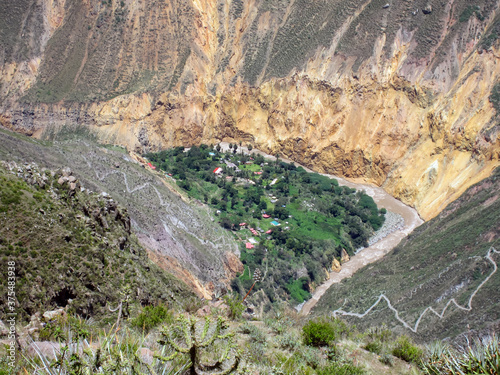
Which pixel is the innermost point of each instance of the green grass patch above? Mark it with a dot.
(298, 289)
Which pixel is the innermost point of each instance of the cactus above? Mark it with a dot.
(190, 337)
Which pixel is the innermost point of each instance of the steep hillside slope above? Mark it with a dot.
(179, 235)
(72, 248)
(397, 95)
(441, 281)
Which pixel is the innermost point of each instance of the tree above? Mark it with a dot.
(226, 223)
(234, 202)
(263, 204)
(190, 337)
(222, 205)
(250, 147)
(230, 145)
(218, 148)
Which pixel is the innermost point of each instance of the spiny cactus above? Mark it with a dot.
(190, 336)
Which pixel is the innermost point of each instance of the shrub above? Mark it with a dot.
(255, 334)
(280, 323)
(382, 334)
(80, 328)
(297, 289)
(407, 351)
(235, 305)
(255, 352)
(310, 356)
(469, 11)
(152, 316)
(321, 332)
(53, 331)
(191, 305)
(288, 341)
(374, 347)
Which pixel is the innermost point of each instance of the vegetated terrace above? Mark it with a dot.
(290, 223)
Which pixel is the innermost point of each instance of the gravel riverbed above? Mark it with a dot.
(392, 223)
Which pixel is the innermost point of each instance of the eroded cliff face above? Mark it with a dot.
(390, 95)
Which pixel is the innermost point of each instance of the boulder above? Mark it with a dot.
(47, 349)
(66, 172)
(336, 267)
(204, 311)
(344, 257)
(51, 315)
(427, 9)
(34, 325)
(146, 355)
(50, 350)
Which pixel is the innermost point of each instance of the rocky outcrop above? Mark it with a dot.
(336, 267)
(396, 96)
(344, 257)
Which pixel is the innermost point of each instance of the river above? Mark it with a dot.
(369, 254)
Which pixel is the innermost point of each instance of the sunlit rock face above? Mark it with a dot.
(390, 95)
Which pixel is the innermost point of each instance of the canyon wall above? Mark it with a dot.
(402, 96)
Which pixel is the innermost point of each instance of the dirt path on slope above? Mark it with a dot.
(367, 255)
